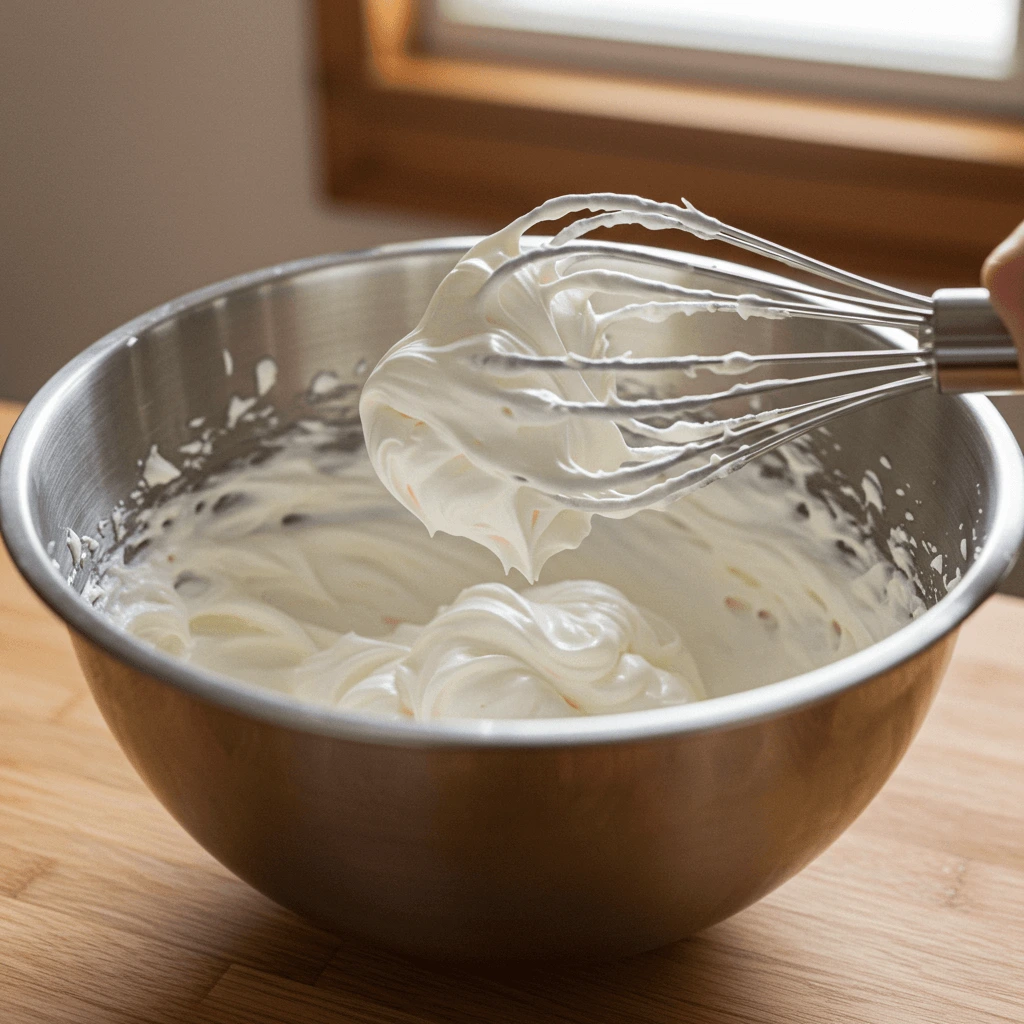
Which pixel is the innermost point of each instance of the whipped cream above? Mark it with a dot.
(494, 653)
(442, 431)
(301, 574)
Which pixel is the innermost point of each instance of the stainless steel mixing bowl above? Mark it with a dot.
(474, 840)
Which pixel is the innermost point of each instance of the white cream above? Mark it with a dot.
(158, 470)
(571, 647)
(266, 375)
(442, 431)
(302, 575)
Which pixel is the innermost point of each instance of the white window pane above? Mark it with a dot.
(976, 38)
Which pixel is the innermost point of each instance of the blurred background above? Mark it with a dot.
(150, 148)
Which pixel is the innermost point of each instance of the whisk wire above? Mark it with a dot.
(798, 261)
(616, 408)
(960, 339)
(882, 313)
(614, 502)
(523, 362)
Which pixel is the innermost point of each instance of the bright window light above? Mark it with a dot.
(964, 38)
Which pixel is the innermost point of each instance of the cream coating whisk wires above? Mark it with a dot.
(503, 416)
(963, 347)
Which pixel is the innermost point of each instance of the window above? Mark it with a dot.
(421, 111)
(960, 52)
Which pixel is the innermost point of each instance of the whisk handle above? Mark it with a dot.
(971, 347)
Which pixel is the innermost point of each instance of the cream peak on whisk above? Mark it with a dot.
(454, 448)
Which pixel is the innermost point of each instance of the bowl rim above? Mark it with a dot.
(29, 554)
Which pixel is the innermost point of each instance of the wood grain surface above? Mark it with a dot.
(109, 912)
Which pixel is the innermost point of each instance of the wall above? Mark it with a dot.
(147, 148)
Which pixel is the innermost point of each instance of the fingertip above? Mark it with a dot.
(1004, 259)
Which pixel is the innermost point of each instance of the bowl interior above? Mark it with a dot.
(173, 373)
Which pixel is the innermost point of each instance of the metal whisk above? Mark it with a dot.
(963, 346)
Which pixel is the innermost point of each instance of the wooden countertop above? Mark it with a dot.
(110, 913)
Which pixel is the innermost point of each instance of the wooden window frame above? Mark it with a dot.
(897, 192)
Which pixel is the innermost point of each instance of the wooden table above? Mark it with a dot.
(110, 913)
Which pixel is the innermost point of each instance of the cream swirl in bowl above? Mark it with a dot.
(302, 575)
(576, 646)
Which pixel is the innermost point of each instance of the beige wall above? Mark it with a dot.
(148, 147)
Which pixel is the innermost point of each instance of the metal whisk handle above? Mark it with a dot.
(970, 345)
